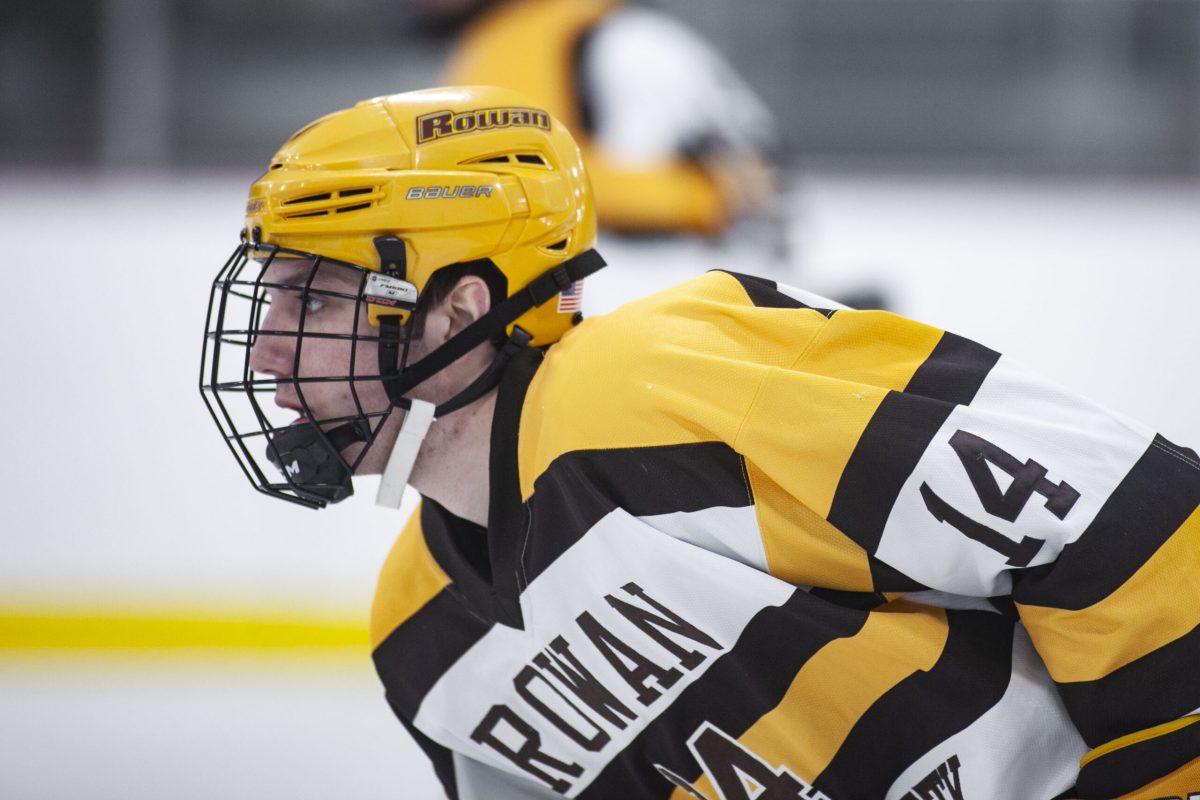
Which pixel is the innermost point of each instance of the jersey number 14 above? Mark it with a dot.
(737, 773)
(1028, 478)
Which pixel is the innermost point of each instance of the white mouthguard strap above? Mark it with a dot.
(404, 454)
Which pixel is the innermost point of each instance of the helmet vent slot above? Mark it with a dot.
(558, 246)
(311, 198)
(330, 203)
(534, 159)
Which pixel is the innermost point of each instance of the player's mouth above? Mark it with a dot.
(293, 406)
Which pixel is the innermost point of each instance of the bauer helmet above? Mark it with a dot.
(386, 194)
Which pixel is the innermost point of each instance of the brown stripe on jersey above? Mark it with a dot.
(864, 601)
(925, 708)
(894, 441)
(1132, 767)
(441, 757)
(581, 487)
(1158, 687)
(414, 656)
(1156, 605)
(954, 370)
(506, 512)
(460, 548)
(839, 684)
(886, 454)
(742, 685)
(765, 293)
(1149, 505)
(888, 579)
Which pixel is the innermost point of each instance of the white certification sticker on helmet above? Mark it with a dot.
(388, 290)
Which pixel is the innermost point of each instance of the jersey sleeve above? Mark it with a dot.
(939, 464)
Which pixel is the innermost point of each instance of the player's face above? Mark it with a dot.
(325, 348)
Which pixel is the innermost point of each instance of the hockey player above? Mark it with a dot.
(674, 139)
(729, 541)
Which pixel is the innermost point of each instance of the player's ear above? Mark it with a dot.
(469, 300)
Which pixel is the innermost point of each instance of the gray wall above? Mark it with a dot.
(1094, 85)
(1016, 85)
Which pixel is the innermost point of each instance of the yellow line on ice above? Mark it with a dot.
(66, 630)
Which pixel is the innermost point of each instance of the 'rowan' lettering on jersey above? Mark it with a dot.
(599, 705)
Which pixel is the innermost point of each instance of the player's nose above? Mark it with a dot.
(274, 350)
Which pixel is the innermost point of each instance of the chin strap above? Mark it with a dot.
(421, 414)
(490, 377)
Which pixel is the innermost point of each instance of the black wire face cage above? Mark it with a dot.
(300, 460)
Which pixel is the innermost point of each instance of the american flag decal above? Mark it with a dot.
(570, 297)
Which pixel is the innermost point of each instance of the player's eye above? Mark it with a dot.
(314, 304)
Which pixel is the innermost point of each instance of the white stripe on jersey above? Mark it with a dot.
(808, 298)
(1023, 748)
(716, 594)
(478, 781)
(729, 532)
(1030, 418)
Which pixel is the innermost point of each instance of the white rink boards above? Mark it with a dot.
(118, 492)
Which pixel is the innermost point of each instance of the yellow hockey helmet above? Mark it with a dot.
(386, 194)
(458, 174)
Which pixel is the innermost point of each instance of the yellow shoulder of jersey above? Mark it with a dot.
(677, 367)
(410, 578)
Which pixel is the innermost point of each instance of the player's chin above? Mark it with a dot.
(372, 463)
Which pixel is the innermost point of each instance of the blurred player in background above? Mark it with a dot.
(677, 144)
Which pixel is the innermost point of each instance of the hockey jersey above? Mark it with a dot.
(746, 544)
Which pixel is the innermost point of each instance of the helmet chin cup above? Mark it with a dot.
(311, 462)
